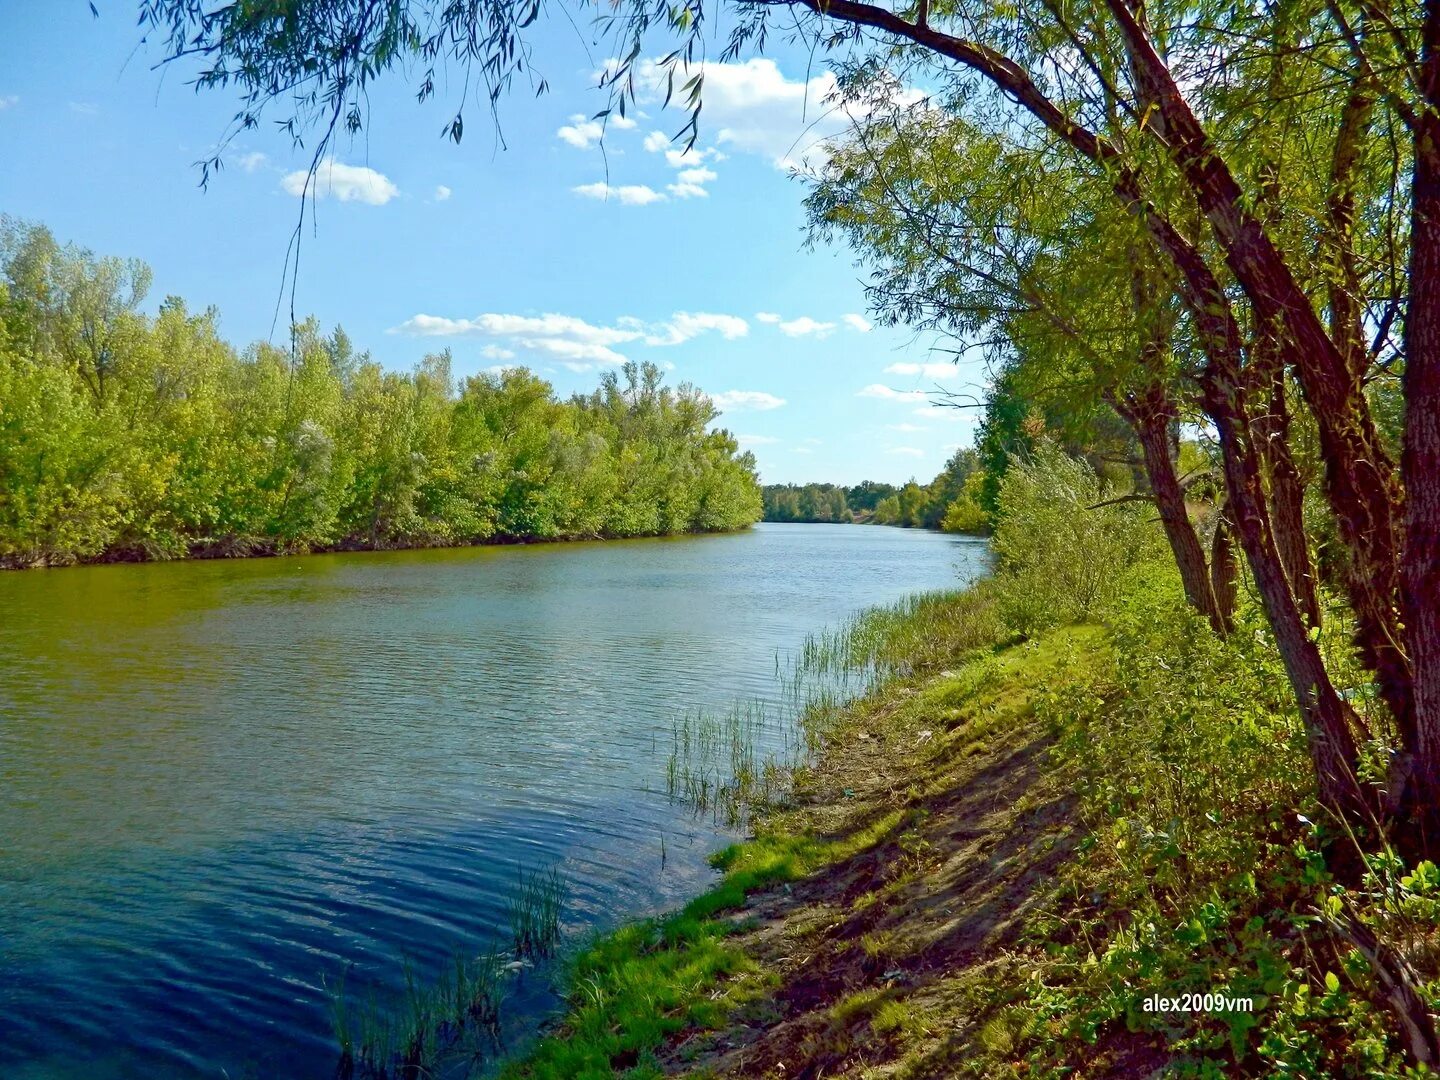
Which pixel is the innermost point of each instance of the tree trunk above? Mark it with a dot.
(1330, 722)
(1150, 417)
(1287, 499)
(1360, 480)
(1420, 460)
(1224, 574)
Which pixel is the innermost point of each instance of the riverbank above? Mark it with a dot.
(264, 548)
(999, 860)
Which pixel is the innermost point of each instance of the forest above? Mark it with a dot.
(951, 501)
(130, 436)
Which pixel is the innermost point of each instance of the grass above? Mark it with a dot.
(633, 989)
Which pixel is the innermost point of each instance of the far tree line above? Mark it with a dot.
(951, 501)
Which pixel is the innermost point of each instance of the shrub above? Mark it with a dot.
(1062, 543)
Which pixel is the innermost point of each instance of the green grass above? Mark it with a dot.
(634, 988)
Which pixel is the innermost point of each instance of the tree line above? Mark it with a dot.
(130, 436)
(952, 501)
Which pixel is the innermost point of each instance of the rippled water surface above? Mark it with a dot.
(221, 782)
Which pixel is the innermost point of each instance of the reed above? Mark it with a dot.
(737, 764)
(456, 1014)
(535, 908)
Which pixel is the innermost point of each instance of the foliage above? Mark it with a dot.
(810, 502)
(957, 487)
(129, 436)
(1063, 542)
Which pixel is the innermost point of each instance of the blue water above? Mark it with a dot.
(222, 783)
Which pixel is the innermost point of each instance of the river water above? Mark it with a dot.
(222, 782)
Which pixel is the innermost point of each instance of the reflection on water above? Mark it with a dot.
(221, 781)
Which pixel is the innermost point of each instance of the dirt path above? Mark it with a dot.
(889, 963)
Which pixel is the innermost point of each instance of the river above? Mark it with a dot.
(222, 782)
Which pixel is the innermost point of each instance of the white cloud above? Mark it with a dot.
(656, 141)
(857, 323)
(877, 390)
(740, 400)
(767, 317)
(499, 369)
(930, 371)
(625, 194)
(801, 450)
(688, 159)
(10, 100)
(583, 133)
(904, 427)
(690, 183)
(754, 108)
(575, 355)
(805, 326)
(756, 440)
(493, 325)
(816, 442)
(906, 451)
(571, 341)
(684, 325)
(253, 161)
(348, 183)
(442, 193)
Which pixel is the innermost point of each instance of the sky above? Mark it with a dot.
(546, 243)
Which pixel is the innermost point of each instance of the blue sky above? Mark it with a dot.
(557, 250)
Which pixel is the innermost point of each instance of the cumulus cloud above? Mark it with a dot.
(684, 325)
(906, 451)
(754, 108)
(253, 161)
(583, 133)
(493, 325)
(878, 390)
(347, 183)
(687, 159)
(858, 323)
(805, 326)
(742, 400)
(625, 194)
(575, 355)
(442, 193)
(768, 317)
(940, 370)
(573, 342)
(690, 183)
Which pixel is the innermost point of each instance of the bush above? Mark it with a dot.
(1062, 546)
